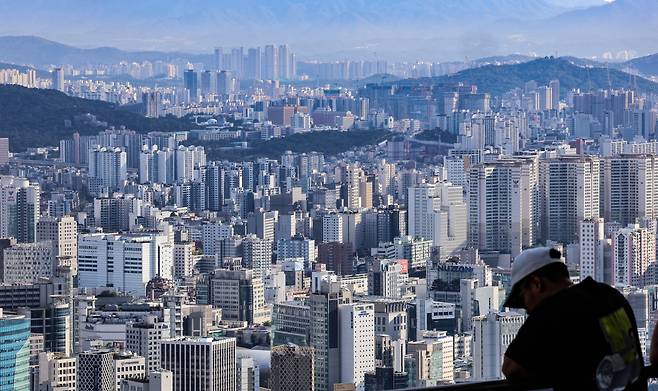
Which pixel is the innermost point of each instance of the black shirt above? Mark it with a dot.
(570, 333)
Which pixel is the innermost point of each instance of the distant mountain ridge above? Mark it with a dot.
(394, 29)
(498, 79)
(40, 52)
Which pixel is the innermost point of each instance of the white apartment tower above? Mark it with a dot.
(108, 168)
(437, 212)
(633, 251)
(593, 244)
(569, 194)
(630, 184)
(503, 205)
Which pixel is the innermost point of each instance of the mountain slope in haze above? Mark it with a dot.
(498, 79)
(363, 26)
(646, 65)
(34, 117)
(42, 52)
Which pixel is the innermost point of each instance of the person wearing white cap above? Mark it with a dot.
(576, 336)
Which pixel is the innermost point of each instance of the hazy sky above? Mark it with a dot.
(394, 29)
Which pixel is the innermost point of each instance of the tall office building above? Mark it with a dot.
(633, 251)
(357, 342)
(247, 374)
(492, 334)
(325, 329)
(437, 212)
(24, 263)
(108, 168)
(630, 188)
(297, 247)
(183, 259)
(126, 262)
(190, 78)
(56, 372)
(143, 338)
(569, 194)
(19, 208)
(95, 371)
(14, 361)
(58, 79)
(257, 255)
(127, 365)
(200, 364)
(63, 233)
(292, 368)
(503, 205)
(240, 295)
(161, 380)
(433, 357)
(593, 247)
(46, 302)
(4, 150)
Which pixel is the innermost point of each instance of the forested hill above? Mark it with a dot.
(37, 117)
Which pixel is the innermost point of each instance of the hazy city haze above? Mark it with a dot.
(432, 29)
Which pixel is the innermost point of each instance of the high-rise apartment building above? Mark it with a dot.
(503, 205)
(630, 188)
(4, 150)
(19, 208)
(593, 249)
(58, 79)
(633, 251)
(437, 212)
(108, 168)
(569, 194)
(271, 63)
(200, 364)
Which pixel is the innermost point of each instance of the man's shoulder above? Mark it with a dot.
(583, 297)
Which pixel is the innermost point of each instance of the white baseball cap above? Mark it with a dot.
(528, 262)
